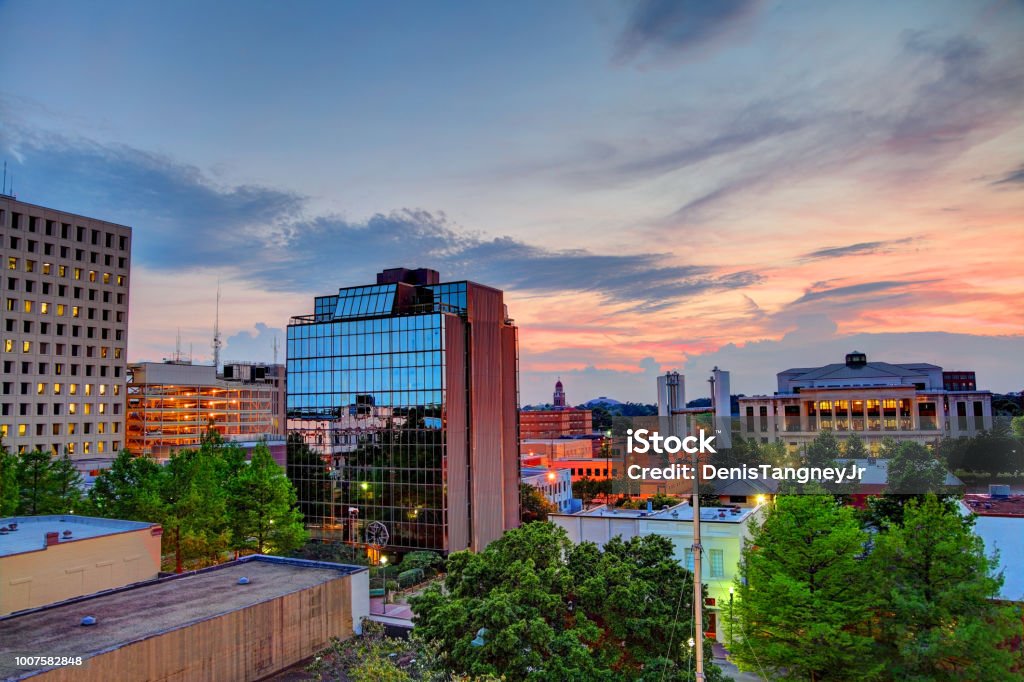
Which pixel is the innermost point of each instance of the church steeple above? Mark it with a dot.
(559, 401)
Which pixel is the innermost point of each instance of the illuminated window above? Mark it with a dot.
(74, 311)
(85, 448)
(78, 273)
(99, 446)
(87, 407)
(28, 305)
(44, 308)
(8, 345)
(56, 388)
(12, 263)
(103, 351)
(71, 446)
(92, 275)
(62, 271)
(120, 280)
(11, 302)
(103, 389)
(3, 430)
(73, 389)
(22, 429)
(40, 388)
(58, 368)
(103, 408)
(46, 268)
(72, 408)
(26, 346)
(60, 310)
(102, 426)
(117, 353)
(88, 389)
(106, 278)
(30, 266)
(117, 389)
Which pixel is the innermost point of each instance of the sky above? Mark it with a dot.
(657, 185)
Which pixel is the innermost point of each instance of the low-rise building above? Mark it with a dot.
(46, 559)
(555, 484)
(171, 405)
(723, 532)
(243, 620)
(907, 401)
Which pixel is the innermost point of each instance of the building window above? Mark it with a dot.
(717, 563)
(688, 556)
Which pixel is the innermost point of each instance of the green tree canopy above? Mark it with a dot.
(802, 593)
(262, 508)
(47, 484)
(129, 489)
(935, 588)
(10, 492)
(533, 506)
(540, 608)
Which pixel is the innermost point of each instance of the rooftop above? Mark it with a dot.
(136, 612)
(987, 505)
(30, 535)
(1002, 534)
(680, 512)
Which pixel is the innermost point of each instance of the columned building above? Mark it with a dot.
(64, 327)
(406, 393)
(871, 399)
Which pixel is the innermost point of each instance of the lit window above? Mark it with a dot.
(26, 346)
(72, 408)
(28, 305)
(74, 311)
(92, 275)
(22, 429)
(103, 389)
(88, 389)
(30, 266)
(99, 446)
(106, 278)
(117, 389)
(62, 271)
(73, 389)
(60, 310)
(101, 427)
(103, 409)
(46, 268)
(78, 273)
(12, 263)
(11, 302)
(40, 388)
(85, 448)
(117, 353)
(8, 345)
(87, 407)
(44, 308)
(56, 387)
(3, 430)
(120, 280)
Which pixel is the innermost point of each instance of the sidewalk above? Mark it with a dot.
(731, 670)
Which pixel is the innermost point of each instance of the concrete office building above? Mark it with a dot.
(64, 327)
(554, 484)
(873, 399)
(407, 391)
(46, 559)
(171, 405)
(205, 625)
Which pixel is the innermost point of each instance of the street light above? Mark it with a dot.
(384, 577)
(732, 624)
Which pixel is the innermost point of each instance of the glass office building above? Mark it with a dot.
(402, 413)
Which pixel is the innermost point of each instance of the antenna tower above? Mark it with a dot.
(216, 331)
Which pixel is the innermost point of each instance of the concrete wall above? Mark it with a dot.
(77, 567)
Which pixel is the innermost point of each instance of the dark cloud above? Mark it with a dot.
(860, 249)
(183, 219)
(661, 28)
(1015, 177)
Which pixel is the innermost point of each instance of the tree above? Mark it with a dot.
(912, 473)
(47, 485)
(823, 452)
(262, 508)
(936, 588)
(9, 491)
(194, 512)
(129, 489)
(539, 608)
(802, 598)
(533, 506)
(854, 448)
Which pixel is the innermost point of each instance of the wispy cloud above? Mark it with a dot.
(1014, 177)
(663, 28)
(859, 249)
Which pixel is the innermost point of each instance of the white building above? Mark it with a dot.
(555, 484)
(872, 399)
(723, 532)
(64, 326)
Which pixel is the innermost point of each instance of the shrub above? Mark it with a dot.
(410, 577)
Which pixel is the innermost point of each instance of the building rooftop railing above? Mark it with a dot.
(420, 309)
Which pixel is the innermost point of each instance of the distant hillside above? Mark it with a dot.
(603, 400)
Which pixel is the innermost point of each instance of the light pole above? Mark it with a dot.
(732, 624)
(384, 577)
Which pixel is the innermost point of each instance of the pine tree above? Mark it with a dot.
(129, 489)
(9, 492)
(935, 591)
(47, 485)
(802, 593)
(262, 508)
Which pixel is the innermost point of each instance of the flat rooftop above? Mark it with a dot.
(1002, 534)
(143, 610)
(680, 512)
(986, 505)
(31, 533)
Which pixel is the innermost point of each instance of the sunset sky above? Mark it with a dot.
(656, 185)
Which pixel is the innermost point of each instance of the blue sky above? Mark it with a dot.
(655, 184)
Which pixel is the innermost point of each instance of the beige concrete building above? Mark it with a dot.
(47, 559)
(64, 327)
(171, 405)
(872, 399)
(206, 625)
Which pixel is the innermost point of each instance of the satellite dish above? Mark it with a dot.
(377, 534)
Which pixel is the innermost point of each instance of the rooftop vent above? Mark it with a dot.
(66, 535)
(243, 580)
(89, 620)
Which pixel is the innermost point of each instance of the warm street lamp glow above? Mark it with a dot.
(760, 499)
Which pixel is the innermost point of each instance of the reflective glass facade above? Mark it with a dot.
(369, 377)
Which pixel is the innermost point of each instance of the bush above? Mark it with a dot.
(429, 562)
(393, 586)
(410, 577)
